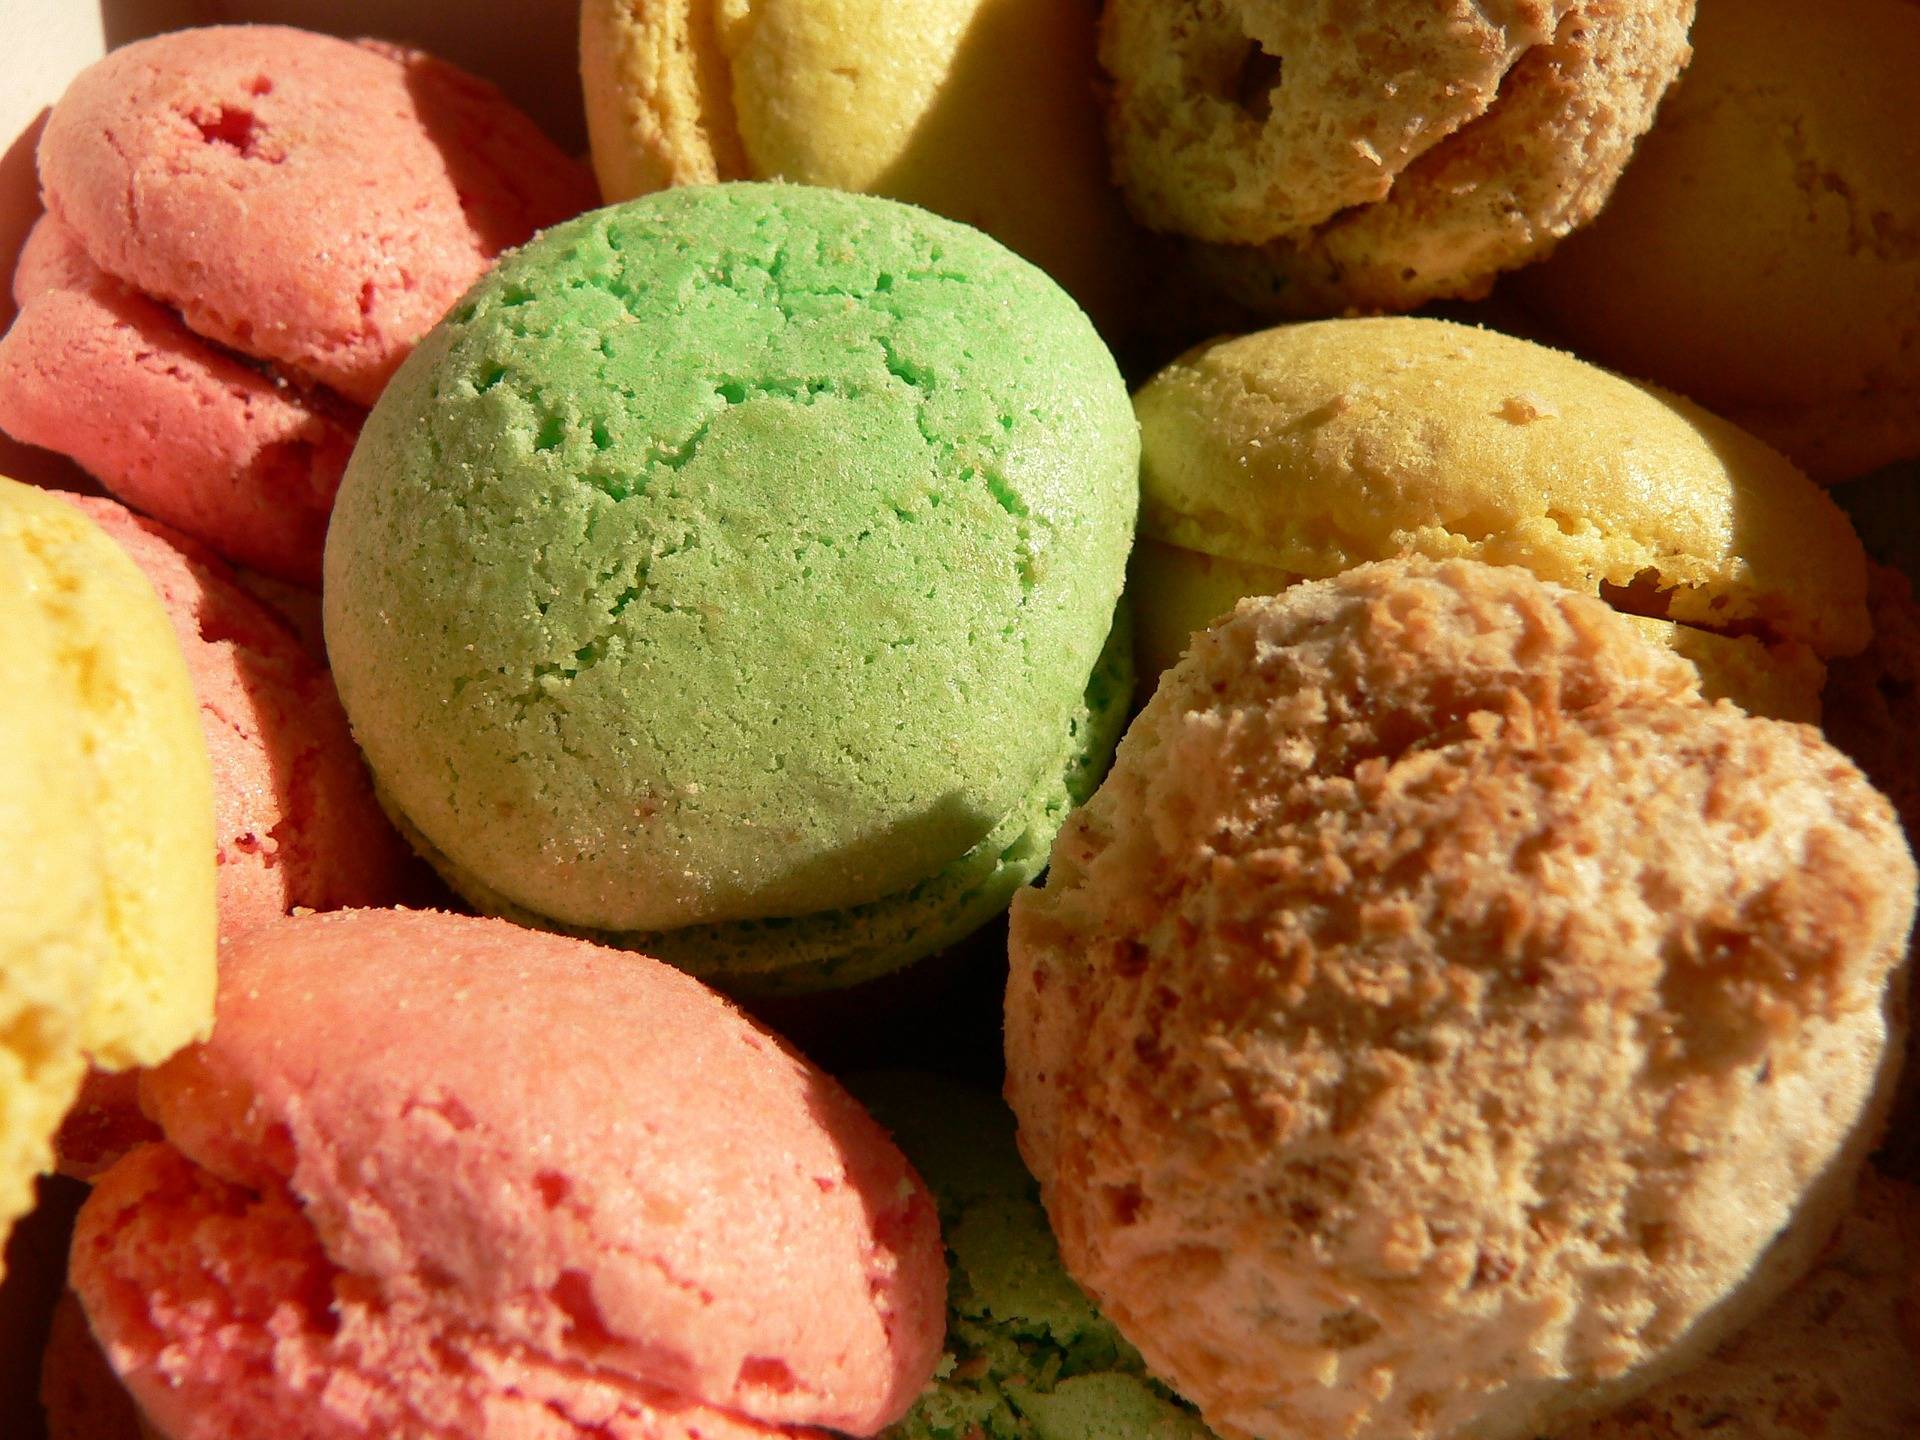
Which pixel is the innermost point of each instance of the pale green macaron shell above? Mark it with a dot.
(741, 555)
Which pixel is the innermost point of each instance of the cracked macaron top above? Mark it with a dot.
(741, 552)
(438, 1176)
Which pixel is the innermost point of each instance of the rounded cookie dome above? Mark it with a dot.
(741, 552)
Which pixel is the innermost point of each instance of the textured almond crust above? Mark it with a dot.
(1444, 1023)
(1328, 164)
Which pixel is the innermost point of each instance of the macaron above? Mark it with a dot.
(172, 424)
(1759, 254)
(1028, 1356)
(296, 824)
(249, 227)
(732, 576)
(1443, 1020)
(980, 110)
(1302, 450)
(125, 695)
(436, 1175)
(1323, 160)
(106, 820)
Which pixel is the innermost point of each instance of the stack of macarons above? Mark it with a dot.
(1467, 1008)
(246, 231)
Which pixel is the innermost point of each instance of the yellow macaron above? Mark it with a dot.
(1762, 252)
(52, 932)
(980, 110)
(1305, 450)
(125, 697)
(106, 825)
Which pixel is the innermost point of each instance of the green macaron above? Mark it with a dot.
(1028, 1355)
(736, 565)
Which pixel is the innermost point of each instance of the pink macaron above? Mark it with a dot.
(173, 424)
(295, 816)
(313, 202)
(439, 1177)
(249, 228)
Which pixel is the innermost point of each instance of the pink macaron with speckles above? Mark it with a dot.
(442, 1178)
(248, 229)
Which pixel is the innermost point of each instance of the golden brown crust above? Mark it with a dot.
(1443, 1022)
(1411, 158)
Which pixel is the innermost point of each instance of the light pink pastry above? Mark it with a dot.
(171, 423)
(315, 202)
(249, 227)
(295, 817)
(442, 1177)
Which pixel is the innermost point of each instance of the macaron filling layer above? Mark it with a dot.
(739, 553)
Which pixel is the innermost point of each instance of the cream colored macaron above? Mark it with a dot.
(1762, 253)
(980, 110)
(1305, 450)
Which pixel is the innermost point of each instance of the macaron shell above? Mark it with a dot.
(167, 421)
(659, 112)
(309, 201)
(834, 948)
(784, 456)
(1312, 448)
(296, 823)
(624, 1168)
(144, 766)
(224, 1318)
(53, 940)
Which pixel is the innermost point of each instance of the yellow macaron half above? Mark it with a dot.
(52, 932)
(1305, 450)
(120, 693)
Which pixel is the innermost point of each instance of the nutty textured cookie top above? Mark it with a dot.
(1443, 1022)
(1384, 160)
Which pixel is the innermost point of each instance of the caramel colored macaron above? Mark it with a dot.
(1760, 254)
(979, 110)
(1444, 1022)
(1328, 162)
(1304, 450)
